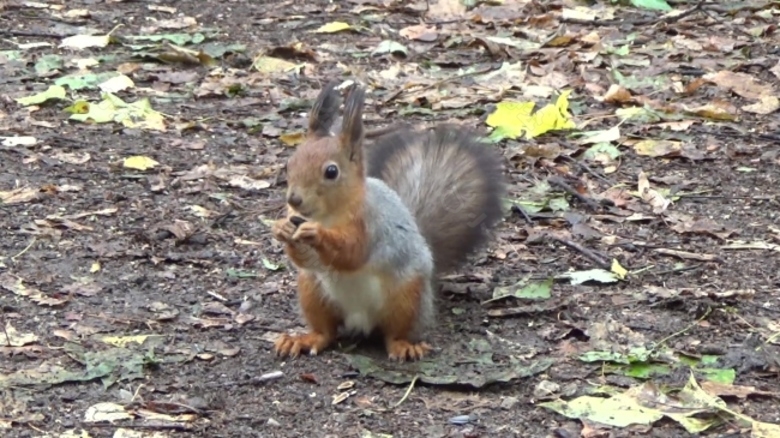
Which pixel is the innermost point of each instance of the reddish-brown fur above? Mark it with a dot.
(399, 318)
(322, 318)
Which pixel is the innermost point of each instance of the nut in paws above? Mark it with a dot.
(309, 233)
(283, 230)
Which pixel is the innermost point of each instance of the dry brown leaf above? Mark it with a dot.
(419, 32)
(720, 389)
(18, 196)
(617, 94)
(16, 285)
(741, 84)
(685, 224)
(446, 9)
(713, 112)
(650, 196)
(682, 125)
(766, 105)
(776, 70)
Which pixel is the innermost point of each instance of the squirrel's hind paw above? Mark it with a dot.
(313, 343)
(402, 350)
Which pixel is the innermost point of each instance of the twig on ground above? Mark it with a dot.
(523, 213)
(588, 169)
(408, 391)
(570, 190)
(25, 249)
(688, 255)
(603, 264)
(690, 326)
(266, 377)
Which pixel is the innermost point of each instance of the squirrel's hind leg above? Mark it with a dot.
(402, 315)
(322, 318)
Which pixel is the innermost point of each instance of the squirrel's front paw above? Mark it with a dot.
(293, 346)
(402, 350)
(283, 230)
(309, 233)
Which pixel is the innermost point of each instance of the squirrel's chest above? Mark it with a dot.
(358, 296)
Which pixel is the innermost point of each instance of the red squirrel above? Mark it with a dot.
(370, 228)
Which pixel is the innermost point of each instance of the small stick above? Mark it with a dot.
(408, 391)
(585, 251)
(570, 190)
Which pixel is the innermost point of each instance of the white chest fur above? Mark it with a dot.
(359, 296)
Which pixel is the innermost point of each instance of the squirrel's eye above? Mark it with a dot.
(331, 172)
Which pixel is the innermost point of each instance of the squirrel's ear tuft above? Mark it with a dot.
(325, 110)
(352, 128)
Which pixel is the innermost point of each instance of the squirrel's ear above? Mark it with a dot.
(352, 128)
(324, 111)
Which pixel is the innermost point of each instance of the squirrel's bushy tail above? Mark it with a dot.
(450, 181)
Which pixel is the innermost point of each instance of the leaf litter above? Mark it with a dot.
(615, 119)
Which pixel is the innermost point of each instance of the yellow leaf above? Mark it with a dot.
(53, 92)
(336, 26)
(78, 107)
(765, 430)
(113, 109)
(512, 119)
(618, 269)
(712, 112)
(95, 267)
(268, 64)
(122, 341)
(139, 162)
(292, 139)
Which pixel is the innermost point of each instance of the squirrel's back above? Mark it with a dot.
(393, 234)
(449, 181)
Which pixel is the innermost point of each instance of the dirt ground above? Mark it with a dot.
(218, 288)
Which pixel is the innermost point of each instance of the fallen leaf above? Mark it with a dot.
(18, 196)
(85, 41)
(742, 84)
(419, 32)
(765, 105)
(336, 26)
(53, 92)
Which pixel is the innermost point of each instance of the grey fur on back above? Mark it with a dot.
(395, 243)
(450, 182)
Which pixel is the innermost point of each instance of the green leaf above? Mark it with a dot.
(523, 290)
(644, 370)
(235, 273)
(603, 148)
(89, 80)
(53, 92)
(656, 5)
(47, 63)
(725, 376)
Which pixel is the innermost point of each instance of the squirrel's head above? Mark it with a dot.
(325, 174)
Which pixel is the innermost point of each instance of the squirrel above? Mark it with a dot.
(369, 229)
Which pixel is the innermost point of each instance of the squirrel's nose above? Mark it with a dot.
(294, 200)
